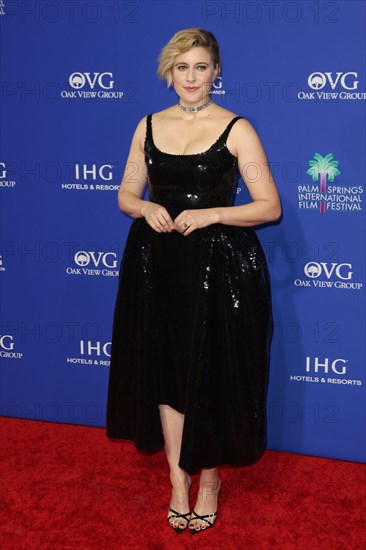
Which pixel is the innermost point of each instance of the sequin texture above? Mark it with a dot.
(193, 319)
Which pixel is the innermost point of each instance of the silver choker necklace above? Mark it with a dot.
(193, 109)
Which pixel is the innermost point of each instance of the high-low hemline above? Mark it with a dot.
(193, 320)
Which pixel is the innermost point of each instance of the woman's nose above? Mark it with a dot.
(191, 77)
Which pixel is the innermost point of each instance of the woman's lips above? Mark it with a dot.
(191, 88)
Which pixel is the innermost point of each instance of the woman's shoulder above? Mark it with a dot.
(241, 127)
(242, 124)
(157, 116)
(142, 124)
(164, 114)
(227, 115)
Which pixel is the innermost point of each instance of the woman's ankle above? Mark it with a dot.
(179, 477)
(210, 486)
(210, 476)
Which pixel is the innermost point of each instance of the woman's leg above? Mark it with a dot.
(207, 496)
(172, 424)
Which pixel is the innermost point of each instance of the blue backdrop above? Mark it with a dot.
(75, 80)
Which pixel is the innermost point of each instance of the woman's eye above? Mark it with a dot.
(184, 67)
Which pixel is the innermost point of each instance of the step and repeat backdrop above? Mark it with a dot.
(76, 78)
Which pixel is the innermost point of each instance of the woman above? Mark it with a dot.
(193, 318)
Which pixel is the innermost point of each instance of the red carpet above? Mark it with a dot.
(70, 487)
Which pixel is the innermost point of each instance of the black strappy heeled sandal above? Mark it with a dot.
(203, 518)
(176, 514)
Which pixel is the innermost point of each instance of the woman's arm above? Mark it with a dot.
(133, 185)
(253, 165)
(244, 143)
(135, 176)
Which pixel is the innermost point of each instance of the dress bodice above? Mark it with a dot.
(200, 180)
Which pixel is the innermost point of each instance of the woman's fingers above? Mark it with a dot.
(159, 219)
(191, 226)
(184, 223)
(166, 221)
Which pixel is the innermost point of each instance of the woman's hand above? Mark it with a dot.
(157, 217)
(189, 220)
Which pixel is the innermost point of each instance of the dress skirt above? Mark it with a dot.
(192, 329)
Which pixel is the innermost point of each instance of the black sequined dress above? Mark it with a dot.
(193, 320)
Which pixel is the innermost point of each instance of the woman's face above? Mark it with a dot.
(193, 73)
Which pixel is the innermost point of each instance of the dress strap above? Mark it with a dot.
(226, 132)
(148, 128)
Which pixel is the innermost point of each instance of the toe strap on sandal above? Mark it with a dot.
(176, 514)
(203, 518)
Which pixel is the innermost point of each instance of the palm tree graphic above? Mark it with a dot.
(323, 167)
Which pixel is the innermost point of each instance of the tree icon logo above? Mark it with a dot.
(320, 168)
(82, 258)
(312, 270)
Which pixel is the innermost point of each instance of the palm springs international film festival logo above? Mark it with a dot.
(91, 86)
(330, 86)
(334, 198)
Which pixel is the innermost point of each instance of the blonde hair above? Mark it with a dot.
(182, 42)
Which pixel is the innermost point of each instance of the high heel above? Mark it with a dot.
(213, 515)
(176, 514)
(203, 518)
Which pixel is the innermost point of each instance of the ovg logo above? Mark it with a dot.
(317, 81)
(108, 259)
(79, 80)
(91, 86)
(7, 342)
(7, 347)
(328, 275)
(313, 270)
(94, 263)
(332, 87)
(3, 175)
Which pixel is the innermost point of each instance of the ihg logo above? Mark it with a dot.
(325, 365)
(87, 347)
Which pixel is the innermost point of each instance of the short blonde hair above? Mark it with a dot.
(182, 42)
